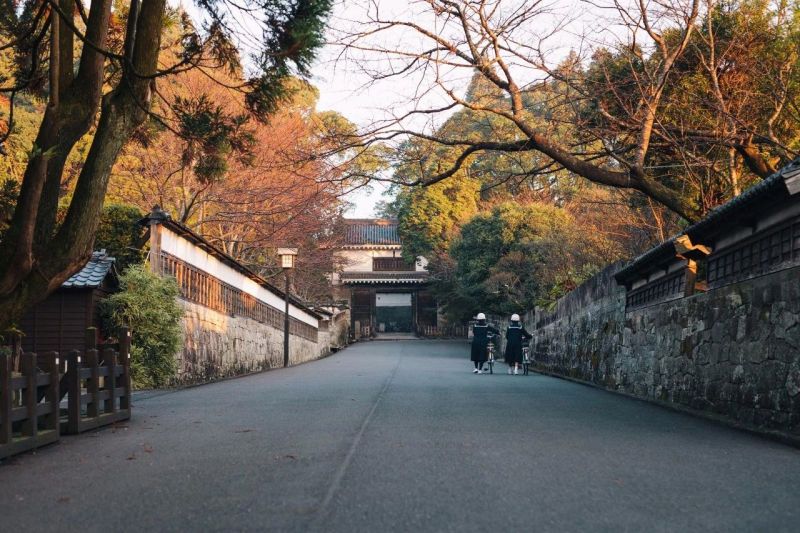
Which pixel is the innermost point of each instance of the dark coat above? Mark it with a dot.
(516, 335)
(480, 341)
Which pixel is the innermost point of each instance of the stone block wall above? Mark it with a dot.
(218, 345)
(733, 352)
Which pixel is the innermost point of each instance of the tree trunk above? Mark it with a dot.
(41, 261)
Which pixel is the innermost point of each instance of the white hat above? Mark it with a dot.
(481, 316)
(515, 317)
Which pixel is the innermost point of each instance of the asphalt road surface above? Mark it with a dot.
(401, 436)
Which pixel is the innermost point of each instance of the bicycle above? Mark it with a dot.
(526, 359)
(490, 354)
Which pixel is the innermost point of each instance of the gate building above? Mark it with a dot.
(387, 293)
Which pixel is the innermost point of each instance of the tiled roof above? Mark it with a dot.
(92, 275)
(371, 231)
(757, 198)
(384, 277)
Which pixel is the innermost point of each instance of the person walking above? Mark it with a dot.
(480, 342)
(515, 336)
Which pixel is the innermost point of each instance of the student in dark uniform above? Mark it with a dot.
(480, 342)
(516, 336)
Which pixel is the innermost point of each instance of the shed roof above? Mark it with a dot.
(92, 275)
(371, 231)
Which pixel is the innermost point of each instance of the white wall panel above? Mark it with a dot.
(176, 245)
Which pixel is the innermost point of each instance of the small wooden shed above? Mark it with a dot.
(59, 323)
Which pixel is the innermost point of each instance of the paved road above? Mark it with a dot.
(400, 436)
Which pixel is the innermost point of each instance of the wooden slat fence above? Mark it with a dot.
(96, 383)
(449, 332)
(29, 403)
(98, 386)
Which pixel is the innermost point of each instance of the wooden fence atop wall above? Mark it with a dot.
(33, 413)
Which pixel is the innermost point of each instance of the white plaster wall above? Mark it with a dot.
(361, 260)
(176, 245)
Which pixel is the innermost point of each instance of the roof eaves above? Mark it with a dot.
(773, 187)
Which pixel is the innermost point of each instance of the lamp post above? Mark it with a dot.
(287, 256)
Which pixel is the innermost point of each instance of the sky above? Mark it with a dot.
(342, 85)
(341, 89)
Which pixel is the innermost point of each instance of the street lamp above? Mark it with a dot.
(287, 257)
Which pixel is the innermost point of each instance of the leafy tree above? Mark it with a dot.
(279, 194)
(98, 71)
(671, 99)
(515, 257)
(148, 305)
(429, 217)
(120, 234)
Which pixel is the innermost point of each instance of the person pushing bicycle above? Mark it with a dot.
(516, 336)
(480, 342)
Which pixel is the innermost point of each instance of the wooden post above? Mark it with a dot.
(157, 216)
(53, 395)
(125, 361)
(691, 277)
(5, 399)
(74, 392)
(91, 338)
(28, 367)
(110, 358)
(16, 350)
(93, 385)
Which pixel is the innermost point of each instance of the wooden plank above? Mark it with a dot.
(93, 383)
(43, 408)
(19, 413)
(125, 361)
(53, 397)
(102, 396)
(110, 357)
(73, 392)
(28, 365)
(5, 399)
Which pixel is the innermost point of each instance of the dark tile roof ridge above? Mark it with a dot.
(99, 265)
(768, 184)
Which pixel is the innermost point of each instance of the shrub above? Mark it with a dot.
(148, 305)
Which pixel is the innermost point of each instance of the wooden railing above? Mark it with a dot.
(27, 420)
(98, 386)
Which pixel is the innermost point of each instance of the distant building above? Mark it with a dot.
(387, 294)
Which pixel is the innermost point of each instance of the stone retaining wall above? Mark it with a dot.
(217, 345)
(733, 352)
